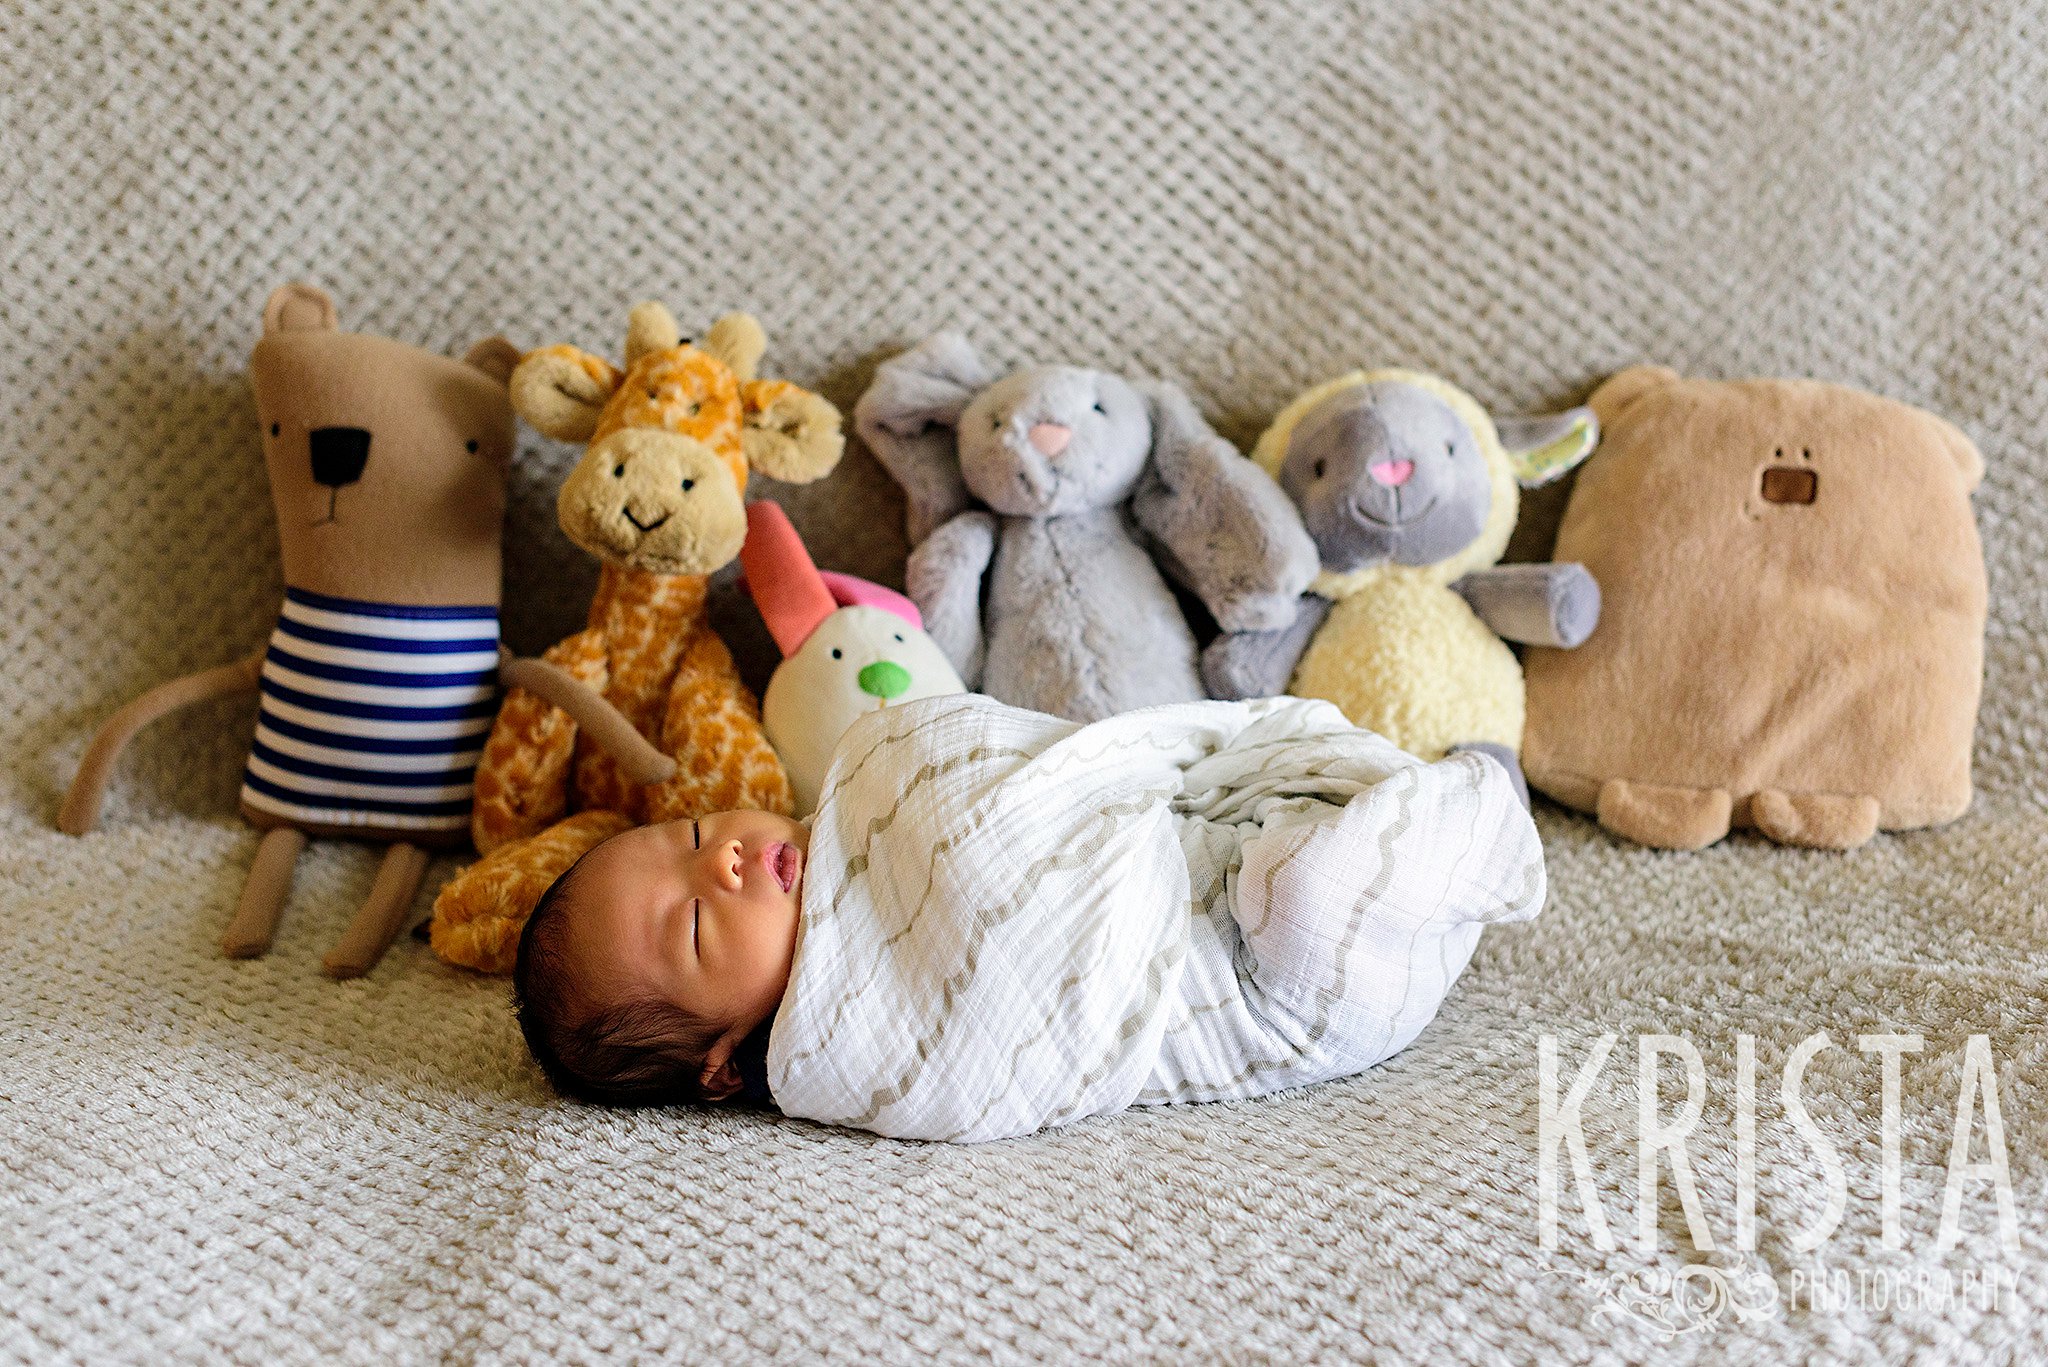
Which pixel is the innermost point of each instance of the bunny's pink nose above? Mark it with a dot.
(1050, 438)
(1392, 473)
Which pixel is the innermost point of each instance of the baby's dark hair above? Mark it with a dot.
(642, 1051)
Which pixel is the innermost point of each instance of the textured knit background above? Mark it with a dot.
(205, 1161)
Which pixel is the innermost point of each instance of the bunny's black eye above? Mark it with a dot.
(837, 653)
(1100, 409)
(1450, 448)
(899, 637)
(688, 485)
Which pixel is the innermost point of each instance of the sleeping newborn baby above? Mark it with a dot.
(998, 921)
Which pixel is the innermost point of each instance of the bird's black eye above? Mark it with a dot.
(1322, 467)
(837, 653)
(618, 472)
(1450, 448)
(470, 447)
(688, 485)
(276, 428)
(1100, 409)
(899, 637)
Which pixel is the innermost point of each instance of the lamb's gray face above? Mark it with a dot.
(1386, 471)
(1053, 440)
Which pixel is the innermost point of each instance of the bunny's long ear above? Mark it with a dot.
(782, 579)
(909, 418)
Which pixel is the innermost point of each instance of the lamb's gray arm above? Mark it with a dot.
(1258, 664)
(1538, 605)
(943, 577)
(1221, 525)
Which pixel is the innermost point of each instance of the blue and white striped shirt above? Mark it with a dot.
(373, 715)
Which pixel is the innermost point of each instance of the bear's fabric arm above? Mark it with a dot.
(522, 781)
(81, 809)
(1258, 664)
(1537, 605)
(1223, 528)
(944, 578)
(589, 710)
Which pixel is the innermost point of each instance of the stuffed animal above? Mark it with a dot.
(1794, 634)
(1037, 503)
(1410, 491)
(849, 647)
(659, 498)
(387, 468)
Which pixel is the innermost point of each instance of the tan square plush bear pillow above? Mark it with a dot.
(1793, 633)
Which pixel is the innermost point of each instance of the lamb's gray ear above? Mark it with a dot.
(1543, 446)
(909, 418)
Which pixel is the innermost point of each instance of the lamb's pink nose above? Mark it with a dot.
(1050, 438)
(1393, 473)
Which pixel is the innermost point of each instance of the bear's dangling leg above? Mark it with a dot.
(262, 904)
(376, 925)
(1493, 750)
(1820, 821)
(1664, 815)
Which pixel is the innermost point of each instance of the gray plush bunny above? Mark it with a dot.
(1038, 502)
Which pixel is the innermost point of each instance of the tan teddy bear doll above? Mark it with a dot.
(659, 497)
(387, 466)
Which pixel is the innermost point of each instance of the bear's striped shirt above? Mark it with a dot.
(373, 715)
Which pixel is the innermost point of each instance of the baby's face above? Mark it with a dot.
(700, 912)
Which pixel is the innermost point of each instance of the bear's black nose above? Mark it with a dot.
(339, 454)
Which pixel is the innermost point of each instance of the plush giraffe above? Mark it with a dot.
(659, 498)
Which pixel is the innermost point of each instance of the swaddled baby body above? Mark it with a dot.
(998, 921)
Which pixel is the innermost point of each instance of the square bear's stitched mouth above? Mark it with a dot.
(1789, 484)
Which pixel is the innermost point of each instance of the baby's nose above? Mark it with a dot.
(1050, 438)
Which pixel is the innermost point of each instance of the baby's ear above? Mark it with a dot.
(720, 1080)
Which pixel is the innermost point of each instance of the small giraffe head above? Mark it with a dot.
(672, 437)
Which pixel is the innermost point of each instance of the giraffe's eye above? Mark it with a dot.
(470, 446)
(618, 472)
(276, 428)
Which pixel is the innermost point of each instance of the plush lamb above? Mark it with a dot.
(1037, 505)
(1410, 491)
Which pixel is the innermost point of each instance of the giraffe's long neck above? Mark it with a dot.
(639, 605)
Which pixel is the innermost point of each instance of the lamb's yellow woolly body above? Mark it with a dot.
(1401, 654)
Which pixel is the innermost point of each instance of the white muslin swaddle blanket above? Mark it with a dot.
(1011, 921)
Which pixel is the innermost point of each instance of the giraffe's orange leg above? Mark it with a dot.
(479, 913)
(713, 728)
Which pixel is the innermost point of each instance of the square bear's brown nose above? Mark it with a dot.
(1789, 484)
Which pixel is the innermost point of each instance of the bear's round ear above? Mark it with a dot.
(495, 357)
(298, 308)
(1969, 460)
(1624, 387)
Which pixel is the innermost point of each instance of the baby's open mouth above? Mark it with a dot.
(784, 861)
